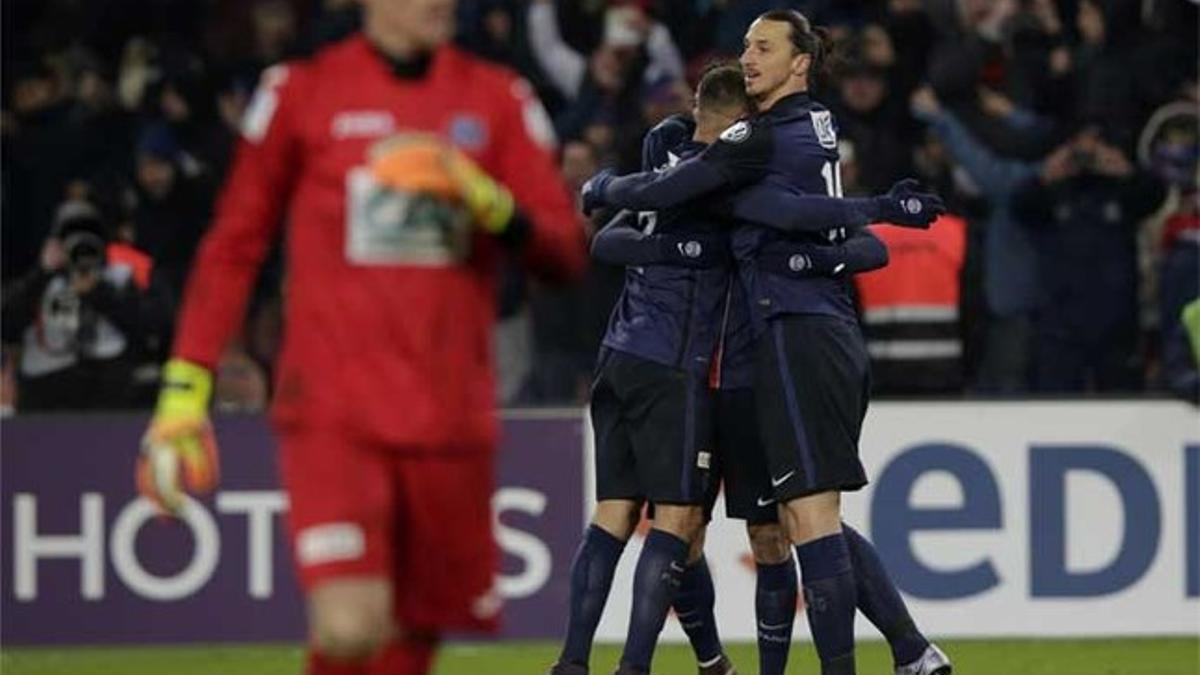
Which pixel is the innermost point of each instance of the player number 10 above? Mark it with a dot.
(832, 173)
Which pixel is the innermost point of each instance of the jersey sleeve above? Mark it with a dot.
(659, 141)
(741, 153)
(522, 159)
(791, 211)
(248, 214)
(738, 158)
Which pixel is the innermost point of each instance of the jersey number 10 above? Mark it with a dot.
(832, 173)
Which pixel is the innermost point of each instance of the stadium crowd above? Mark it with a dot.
(1063, 135)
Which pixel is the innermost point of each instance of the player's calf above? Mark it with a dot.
(591, 579)
(829, 585)
(775, 593)
(657, 579)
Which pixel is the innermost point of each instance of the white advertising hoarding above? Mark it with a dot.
(1006, 519)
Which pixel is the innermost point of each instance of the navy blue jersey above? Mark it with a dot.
(766, 162)
(671, 314)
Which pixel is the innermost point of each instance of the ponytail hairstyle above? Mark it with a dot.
(816, 41)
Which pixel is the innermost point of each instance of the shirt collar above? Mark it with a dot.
(789, 104)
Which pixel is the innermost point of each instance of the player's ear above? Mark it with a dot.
(800, 64)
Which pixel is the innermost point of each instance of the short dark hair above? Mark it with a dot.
(722, 86)
(806, 38)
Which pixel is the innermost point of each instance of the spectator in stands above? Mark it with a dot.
(911, 309)
(627, 29)
(39, 160)
(171, 213)
(1170, 148)
(78, 318)
(186, 101)
(604, 90)
(877, 123)
(1010, 268)
(1084, 208)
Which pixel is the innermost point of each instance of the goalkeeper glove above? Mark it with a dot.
(906, 206)
(423, 163)
(179, 450)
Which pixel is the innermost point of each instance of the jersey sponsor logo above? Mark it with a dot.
(736, 133)
(362, 124)
(388, 225)
(822, 121)
(468, 132)
(256, 121)
(331, 542)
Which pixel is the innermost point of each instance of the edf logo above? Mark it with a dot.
(894, 520)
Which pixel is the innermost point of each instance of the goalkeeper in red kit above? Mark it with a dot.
(403, 169)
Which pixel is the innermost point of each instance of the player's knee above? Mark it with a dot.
(697, 548)
(684, 522)
(618, 517)
(350, 619)
(813, 517)
(348, 634)
(769, 543)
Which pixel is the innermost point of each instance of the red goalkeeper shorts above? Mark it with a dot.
(422, 521)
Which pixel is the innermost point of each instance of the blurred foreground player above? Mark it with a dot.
(381, 152)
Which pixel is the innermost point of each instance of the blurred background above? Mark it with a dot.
(1063, 134)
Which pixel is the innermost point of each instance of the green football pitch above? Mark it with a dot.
(971, 657)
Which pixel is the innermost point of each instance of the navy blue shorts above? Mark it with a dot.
(743, 460)
(653, 428)
(812, 384)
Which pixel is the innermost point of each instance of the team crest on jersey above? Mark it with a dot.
(822, 121)
(737, 133)
(468, 132)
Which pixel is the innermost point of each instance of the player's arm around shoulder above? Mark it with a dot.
(742, 152)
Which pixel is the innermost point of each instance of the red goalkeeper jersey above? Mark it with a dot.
(389, 296)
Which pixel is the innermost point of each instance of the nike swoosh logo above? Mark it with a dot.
(779, 626)
(776, 482)
(765, 502)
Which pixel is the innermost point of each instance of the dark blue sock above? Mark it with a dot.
(775, 608)
(694, 607)
(881, 602)
(830, 598)
(591, 576)
(655, 583)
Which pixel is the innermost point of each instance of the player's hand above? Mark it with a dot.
(592, 192)
(426, 164)
(907, 206)
(179, 450)
(697, 251)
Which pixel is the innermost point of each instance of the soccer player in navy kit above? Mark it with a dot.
(811, 370)
(654, 369)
